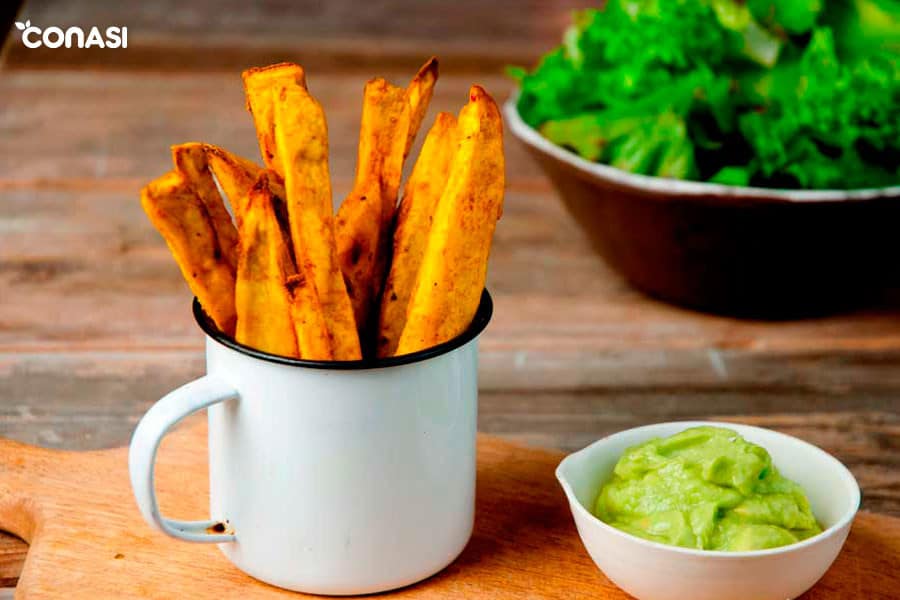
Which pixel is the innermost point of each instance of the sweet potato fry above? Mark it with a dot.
(236, 176)
(262, 298)
(418, 94)
(190, 161)
(259, 85)
(414, 217)
(179, 214)
(391, 118)
(364, 216)
(454, 268)
(309, 319)
(301, 141)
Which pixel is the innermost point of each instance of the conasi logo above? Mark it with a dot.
(72, 37)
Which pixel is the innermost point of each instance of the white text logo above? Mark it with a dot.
(72, 37)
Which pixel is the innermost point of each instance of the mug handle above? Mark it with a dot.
(161, 417)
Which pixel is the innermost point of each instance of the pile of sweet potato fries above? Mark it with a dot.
(282, 274)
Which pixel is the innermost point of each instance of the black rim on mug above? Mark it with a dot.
(482, 318)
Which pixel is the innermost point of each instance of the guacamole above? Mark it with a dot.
(705, 488)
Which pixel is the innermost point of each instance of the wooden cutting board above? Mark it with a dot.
(87, 539)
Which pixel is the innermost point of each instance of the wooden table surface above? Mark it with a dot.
(94, 317)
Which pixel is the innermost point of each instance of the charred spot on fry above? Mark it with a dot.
(295, 281)
(355, 253)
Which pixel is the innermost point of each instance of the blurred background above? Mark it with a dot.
(95, 323)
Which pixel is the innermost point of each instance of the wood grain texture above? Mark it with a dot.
(94, 318)
(94, 399)
(12, 558)
(116, 125)
(234, 34)
(524, 544)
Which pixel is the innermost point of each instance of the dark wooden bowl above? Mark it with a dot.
(750, 252)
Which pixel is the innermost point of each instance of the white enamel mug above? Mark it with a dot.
(328, 477)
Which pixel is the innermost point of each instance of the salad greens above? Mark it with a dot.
(770, 93)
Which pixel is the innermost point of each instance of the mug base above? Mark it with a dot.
(345, 587)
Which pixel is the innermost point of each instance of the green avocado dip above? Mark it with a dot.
(705, 488)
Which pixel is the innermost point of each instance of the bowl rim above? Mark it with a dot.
(678, 188)
(839, 525)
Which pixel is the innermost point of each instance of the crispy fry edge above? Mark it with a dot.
(190, 160)
(259, 85)
(418, 94)
(180, 216)
(236, 176)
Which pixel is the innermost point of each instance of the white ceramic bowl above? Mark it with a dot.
(652, 571)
